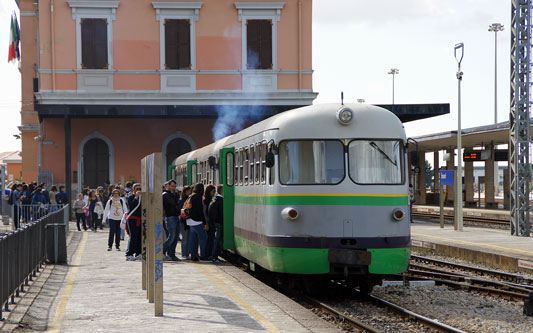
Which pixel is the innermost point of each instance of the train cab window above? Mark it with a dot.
(263, 163)
(229, 168)
(376, 162)
(252, 164)
(311, 162)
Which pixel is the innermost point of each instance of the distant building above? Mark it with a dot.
(105, 83)
(13, 162)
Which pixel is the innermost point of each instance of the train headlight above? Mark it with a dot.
(345, 115)
(290, 214)
(398, 214)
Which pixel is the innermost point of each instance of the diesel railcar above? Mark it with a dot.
(320, 190)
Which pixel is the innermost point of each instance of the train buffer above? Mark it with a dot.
(101, 291)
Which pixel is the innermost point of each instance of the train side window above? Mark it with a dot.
(194, 174)
(257, 162)
(263, 163)
(241, 167)
(230, 164)
(236, 172)
(252, 164)
(246, 165)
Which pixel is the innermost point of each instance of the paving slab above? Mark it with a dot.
(100, 291)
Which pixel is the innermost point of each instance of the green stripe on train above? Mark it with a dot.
(323, 200)
(315, 261)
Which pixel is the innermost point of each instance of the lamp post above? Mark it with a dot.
(393, 72)
(459, 189)
(495, 27)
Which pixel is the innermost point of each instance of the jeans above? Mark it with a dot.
(114, 233)
(197, 232)
(16, 217)
(80, 217)
(122, 233)
(218, 230)
(169, 248)
(93, 221)
(184, 239)
(210, 239)
(134, 245)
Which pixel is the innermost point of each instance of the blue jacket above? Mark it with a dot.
(38, 198)
(62, 198)
(46, 196)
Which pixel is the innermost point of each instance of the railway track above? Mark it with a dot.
(466, 218)
(406, 314)
(514, 287)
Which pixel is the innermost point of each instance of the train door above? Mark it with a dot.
(227, 163)
(192, 174)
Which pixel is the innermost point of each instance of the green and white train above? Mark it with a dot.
(319, 190)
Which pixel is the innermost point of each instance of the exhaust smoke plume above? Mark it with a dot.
(232, 118)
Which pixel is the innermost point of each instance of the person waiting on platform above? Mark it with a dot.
(134, 225)
(196, 222)
(114, 212)
(209, 193)
(80, 212)
(170, 208)
(184, 228)
(216, 216)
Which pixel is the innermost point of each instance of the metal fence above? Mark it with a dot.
(22, 253)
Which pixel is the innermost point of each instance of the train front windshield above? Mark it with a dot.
(376, 162)
(306, 162)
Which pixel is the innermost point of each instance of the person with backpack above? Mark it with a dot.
(197, 223)
(216, 217)
(134, 225)
(184, 228)
(115, 209)
(170, 209)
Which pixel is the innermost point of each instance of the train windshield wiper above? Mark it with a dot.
(376, 147)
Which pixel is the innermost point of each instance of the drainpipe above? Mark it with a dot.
(299, 44)
(52, 42)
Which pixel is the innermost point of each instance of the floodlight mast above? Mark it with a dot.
(519, 122)
(459, 48)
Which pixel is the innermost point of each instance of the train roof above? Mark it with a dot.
(320, 121)
(313, 122)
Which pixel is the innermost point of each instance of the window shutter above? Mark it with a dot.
(265, 48)
(184, 44)
(87, 39)
(94, 43)
(171, 44)
(100, 43)
(252, 43)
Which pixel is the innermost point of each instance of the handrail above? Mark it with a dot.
(22, 254)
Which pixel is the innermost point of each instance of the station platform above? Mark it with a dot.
(100, 291)
(497, 214)
(493, 247)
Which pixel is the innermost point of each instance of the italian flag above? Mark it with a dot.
(14, 40)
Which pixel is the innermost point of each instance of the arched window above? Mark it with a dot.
(95, 163)
(175, 148)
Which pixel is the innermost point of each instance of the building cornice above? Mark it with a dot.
(213, 97)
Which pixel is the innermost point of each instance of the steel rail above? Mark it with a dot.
(516, 278)
(432, 323)
(340, 316)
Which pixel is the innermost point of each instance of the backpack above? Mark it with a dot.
(10, 199)
(186, 210)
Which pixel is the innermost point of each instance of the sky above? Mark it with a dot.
(357, 42)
